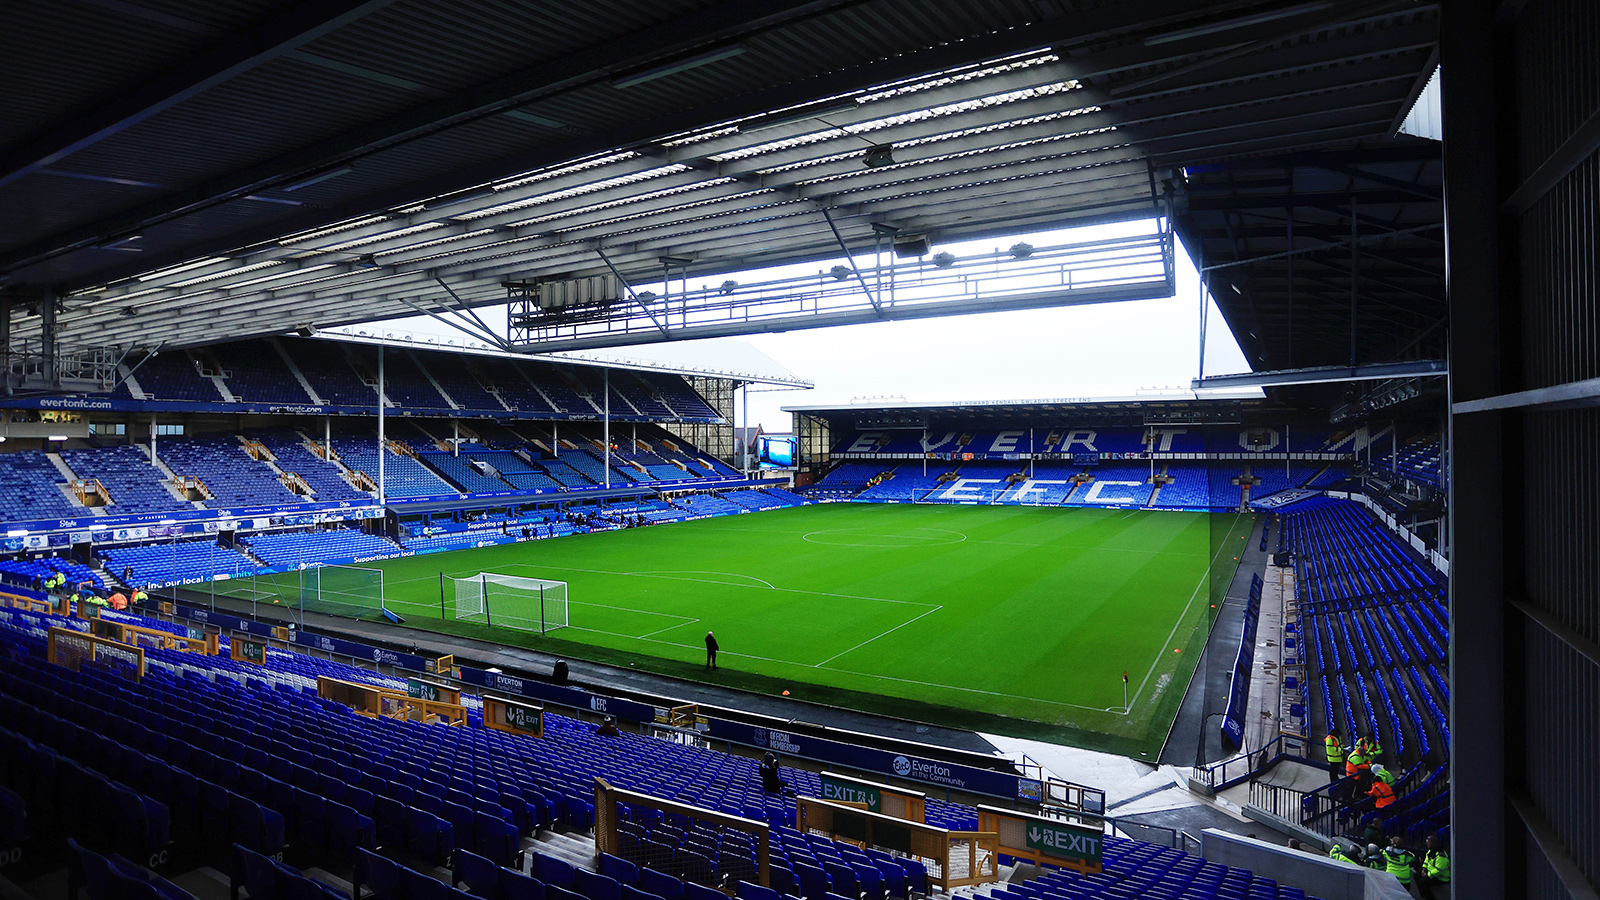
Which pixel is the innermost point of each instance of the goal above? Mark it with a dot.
(509, 601)
(342, 590)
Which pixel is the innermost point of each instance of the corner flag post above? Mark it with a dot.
(1124, 691)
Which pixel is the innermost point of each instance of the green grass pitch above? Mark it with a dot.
(1012, 619)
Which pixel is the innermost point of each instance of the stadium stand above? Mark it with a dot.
(325, 479)
(290, 549)
(30, 573)
(135, 485)
(177, 562)
(1121, 486)
(509, 381)
(329, 373)
(677, 393)
(847, 479)
(712, 505)
(178, 758)
(173, 376)
(460, 472)
(1273, 479)
(906, 484)
(404, 384)
(453, 374)
(403, 475)
(555, 384)
(1376, 624)
(1199, 486)
(31, 488)
(1033, 490)
(563, 474)
(257, 374)
(233, 477)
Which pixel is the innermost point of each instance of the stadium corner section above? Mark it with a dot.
(1155, 691)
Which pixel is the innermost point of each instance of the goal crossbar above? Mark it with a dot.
(509, 601)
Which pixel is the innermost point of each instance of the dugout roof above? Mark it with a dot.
(191, 170)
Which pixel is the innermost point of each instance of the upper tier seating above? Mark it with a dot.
(30, 488)
(224, 466)
(458, 381)
(507, 379)
(331, 375)
(403, 383)
(135, 485)
(680, 396)
(629, 385)
(257, 374)
(173, 376)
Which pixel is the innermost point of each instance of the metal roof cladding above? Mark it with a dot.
(210, 170)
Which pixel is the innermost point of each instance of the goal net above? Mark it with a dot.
(341, 590)
(509, 601)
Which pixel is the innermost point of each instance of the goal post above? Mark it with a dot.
(507, 601)
(342, 590)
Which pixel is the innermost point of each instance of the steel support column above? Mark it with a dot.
(1477, 128)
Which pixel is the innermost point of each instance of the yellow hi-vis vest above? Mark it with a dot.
(1436, 864)
(1335, 752)
(1397, 862)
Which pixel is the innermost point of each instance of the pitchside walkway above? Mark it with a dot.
(1207, 696)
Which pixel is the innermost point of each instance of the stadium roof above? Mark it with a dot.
(1150, 408)
(733, 360)
(235, 168)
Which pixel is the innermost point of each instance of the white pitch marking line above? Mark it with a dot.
(669, 628)
(671, 573)
(535, 568)
(1206, 574)
(875, 637)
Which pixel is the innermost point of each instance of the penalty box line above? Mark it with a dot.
(789, 662)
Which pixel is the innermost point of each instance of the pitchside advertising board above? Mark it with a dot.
(626, 710)
(870, 759)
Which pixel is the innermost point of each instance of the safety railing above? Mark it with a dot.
(952, 858)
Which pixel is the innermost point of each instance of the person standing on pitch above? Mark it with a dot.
(711, 649)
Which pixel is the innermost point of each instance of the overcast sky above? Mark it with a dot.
(1110, 349)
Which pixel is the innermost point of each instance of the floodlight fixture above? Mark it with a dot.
(879, 155)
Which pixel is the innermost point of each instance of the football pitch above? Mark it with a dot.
(1013, 619)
